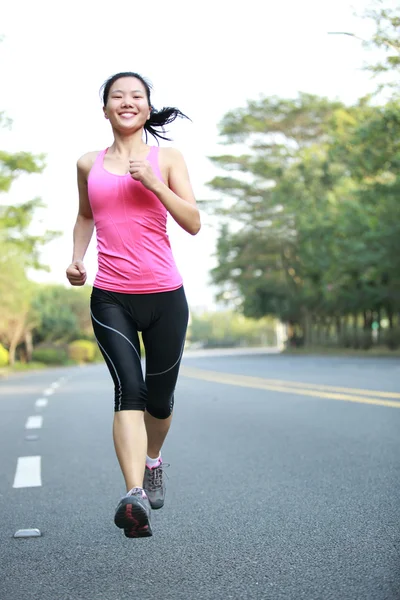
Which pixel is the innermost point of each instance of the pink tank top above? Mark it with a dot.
(133, 248)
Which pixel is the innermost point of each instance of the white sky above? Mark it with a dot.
(204, 57)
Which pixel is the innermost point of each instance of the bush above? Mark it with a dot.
(3, 356)
(50, 356)
(391, 338)
(358, 340)
(365, 340)
(82, 351)
(28, 366)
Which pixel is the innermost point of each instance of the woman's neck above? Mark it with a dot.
(128, 145)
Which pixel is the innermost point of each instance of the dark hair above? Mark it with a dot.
(158, 118)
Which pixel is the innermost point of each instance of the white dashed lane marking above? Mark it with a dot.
(41, 402)
(34, 422)
(28, 473)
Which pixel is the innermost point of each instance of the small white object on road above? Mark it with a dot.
(48, 392)
(41, 402)
(27, 533)
(28, 472)
(34, 422)
(55, 385)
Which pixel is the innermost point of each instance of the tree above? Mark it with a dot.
(285, 163)
(17, 318)
(307, 233)
(19, 249)
(63, 314)
(385, 37)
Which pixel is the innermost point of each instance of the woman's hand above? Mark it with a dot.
(142, 171)
(76, 273)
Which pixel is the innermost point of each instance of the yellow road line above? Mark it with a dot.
(288, 388)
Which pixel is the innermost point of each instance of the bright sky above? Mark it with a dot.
(203, 57)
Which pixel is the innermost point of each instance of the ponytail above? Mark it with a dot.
(160, 118)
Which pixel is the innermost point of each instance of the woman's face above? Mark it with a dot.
(127, 106)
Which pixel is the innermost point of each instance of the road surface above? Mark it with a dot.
(283, 484)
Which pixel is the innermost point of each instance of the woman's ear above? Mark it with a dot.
(105, 112)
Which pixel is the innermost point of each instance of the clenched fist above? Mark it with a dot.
(76, 273)
(142, 171)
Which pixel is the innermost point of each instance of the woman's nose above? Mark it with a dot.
(127, 101)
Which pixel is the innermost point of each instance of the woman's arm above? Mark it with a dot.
(84, 226)
(177, 197)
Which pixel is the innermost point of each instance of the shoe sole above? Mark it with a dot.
(133, 519)
(156, 505)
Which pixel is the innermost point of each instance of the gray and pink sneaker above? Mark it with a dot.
(133, 514)
(154, 485)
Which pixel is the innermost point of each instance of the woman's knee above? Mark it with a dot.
(161, 409)
(130, 397)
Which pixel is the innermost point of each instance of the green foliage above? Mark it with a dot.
(391, 338)
(385, 37)
(64, 313)
(15, 221)
(19, 250)
(14, 164)
(82, 351)
(309, 208)
(4, 356)
(311, 225)
(50, 356)
(31, 366)
(229, 329)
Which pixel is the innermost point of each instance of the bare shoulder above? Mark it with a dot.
(171, 156)
(86, 161)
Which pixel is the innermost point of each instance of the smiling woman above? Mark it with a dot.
(155, 119)
(126, 192)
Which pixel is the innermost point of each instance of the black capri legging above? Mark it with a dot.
(162, 318)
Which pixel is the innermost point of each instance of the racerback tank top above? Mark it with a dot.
(133, 248)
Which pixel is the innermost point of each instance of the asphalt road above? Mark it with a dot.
(283, 485)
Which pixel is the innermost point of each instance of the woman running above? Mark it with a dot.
(126, 192)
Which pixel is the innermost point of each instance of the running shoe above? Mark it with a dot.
(154, 485)
(133, 514)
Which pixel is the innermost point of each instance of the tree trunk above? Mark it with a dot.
(327, 333)
(338, 327)
(379, 318)
(345, 324)
(318, 330)
(355, 341)
(15, 339)
(307, 328)
(28, 345)
(368, 318)
(389, 312)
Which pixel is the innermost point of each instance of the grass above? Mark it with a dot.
(19, 367)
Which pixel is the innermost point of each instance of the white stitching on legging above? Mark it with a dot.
(174, 365)
(116, 373)
(116, 331)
